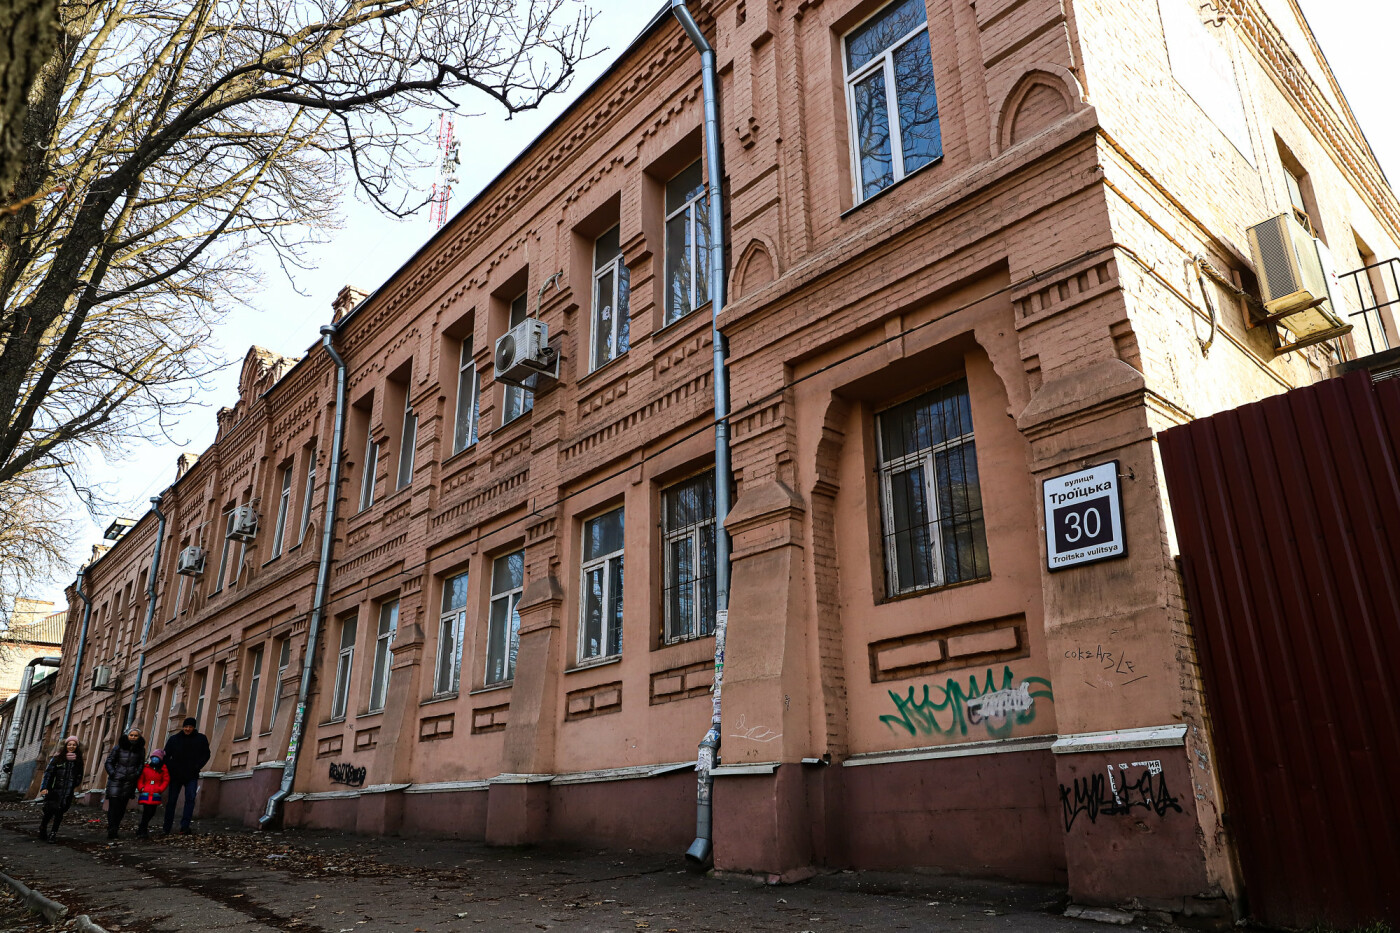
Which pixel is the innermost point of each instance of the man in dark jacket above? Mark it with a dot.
(186, 752)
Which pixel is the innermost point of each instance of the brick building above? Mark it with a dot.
(971, 247)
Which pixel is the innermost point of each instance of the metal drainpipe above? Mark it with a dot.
(318, 605)
(7, 762)
(701, 851)
(150, 615)
(78, 662)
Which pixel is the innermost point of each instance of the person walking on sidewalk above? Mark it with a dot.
(123, 768)
(63, 775)
(186, 753)
(155, 778)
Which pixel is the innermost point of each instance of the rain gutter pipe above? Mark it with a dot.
(7, 762)
(150, 615)
(78, 662)
(701, 851)
(318, 605)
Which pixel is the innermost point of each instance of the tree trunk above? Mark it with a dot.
(28, 39)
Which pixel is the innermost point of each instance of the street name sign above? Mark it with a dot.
(1084, 517)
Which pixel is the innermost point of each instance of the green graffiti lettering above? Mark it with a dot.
(997, 709)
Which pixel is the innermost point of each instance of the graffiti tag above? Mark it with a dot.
(998, 709)
(347, 774)
(1113, 794)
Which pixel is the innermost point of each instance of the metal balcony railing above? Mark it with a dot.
(1371, 300)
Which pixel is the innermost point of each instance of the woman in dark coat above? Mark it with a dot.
(124, 764)
(63, 775)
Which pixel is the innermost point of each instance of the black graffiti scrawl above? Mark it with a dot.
(1116, 793)
(347, 774)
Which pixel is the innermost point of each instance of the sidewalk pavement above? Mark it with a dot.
(228, 879)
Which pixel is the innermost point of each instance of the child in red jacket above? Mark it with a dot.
(150, 789)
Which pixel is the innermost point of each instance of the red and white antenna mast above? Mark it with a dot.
(448, 161)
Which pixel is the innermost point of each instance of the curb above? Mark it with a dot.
(49, 909)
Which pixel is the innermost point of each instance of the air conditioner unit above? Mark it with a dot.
(190, 563)
(525, 352)
(101, 677)
(244, 526)
(1292, 276)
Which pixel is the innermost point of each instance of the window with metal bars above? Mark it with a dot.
(930, 502)
(688, 526)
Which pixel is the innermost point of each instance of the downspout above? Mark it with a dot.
(7, 761)
(318, 604)
(78, 661)
(150, 615)
(701, 851)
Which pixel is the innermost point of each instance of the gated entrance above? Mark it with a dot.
(1288, 516)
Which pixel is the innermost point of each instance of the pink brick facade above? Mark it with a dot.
(1043, 260)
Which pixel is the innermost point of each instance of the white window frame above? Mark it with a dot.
(383, 655)
(452, 629)
(601, 563)
(223, 551)
(255, 659)
(308, 493)
(284, 504)
(408, 442)
(670, 635)
(511, 597)
(884, 61)
(926, 461)
(517, 396)
(618, 298)
(199, 701)
(284, 660)
(691, 209)
(344, 667)
(468, 392)
(371, 467)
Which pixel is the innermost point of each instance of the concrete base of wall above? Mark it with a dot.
(1025, 815)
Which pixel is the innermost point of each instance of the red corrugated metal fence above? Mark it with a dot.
(1288, 516)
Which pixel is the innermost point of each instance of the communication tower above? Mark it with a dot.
(449, 159)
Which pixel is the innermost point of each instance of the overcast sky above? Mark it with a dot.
(1356, 35)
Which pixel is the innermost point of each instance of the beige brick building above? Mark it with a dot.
(962, 257)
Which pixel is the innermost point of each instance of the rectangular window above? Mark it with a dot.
(688, 524)
(610, 290)
(203, 684)
(931, 504)
(224, 550)
(284, 660)
(503, 632)
(452, 625)
(1294, 184)
(255, 660)
(344, 666)
(687, 243)
(600, 629)
(309, 491)
(889, 70)
(518, 399)
(468, 400)
(407, 441)
(383, 656)
(284, 504)
(370, 468)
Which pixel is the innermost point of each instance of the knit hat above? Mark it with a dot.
(158, 753)
(189, 721)
(72, 738)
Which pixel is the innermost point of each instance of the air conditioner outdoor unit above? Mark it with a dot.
(1292, 268)
(525, 352)
(190, 563)
(244, 526)
(101, 677)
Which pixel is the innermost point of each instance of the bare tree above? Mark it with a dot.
(31, 31)
(165, 140)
